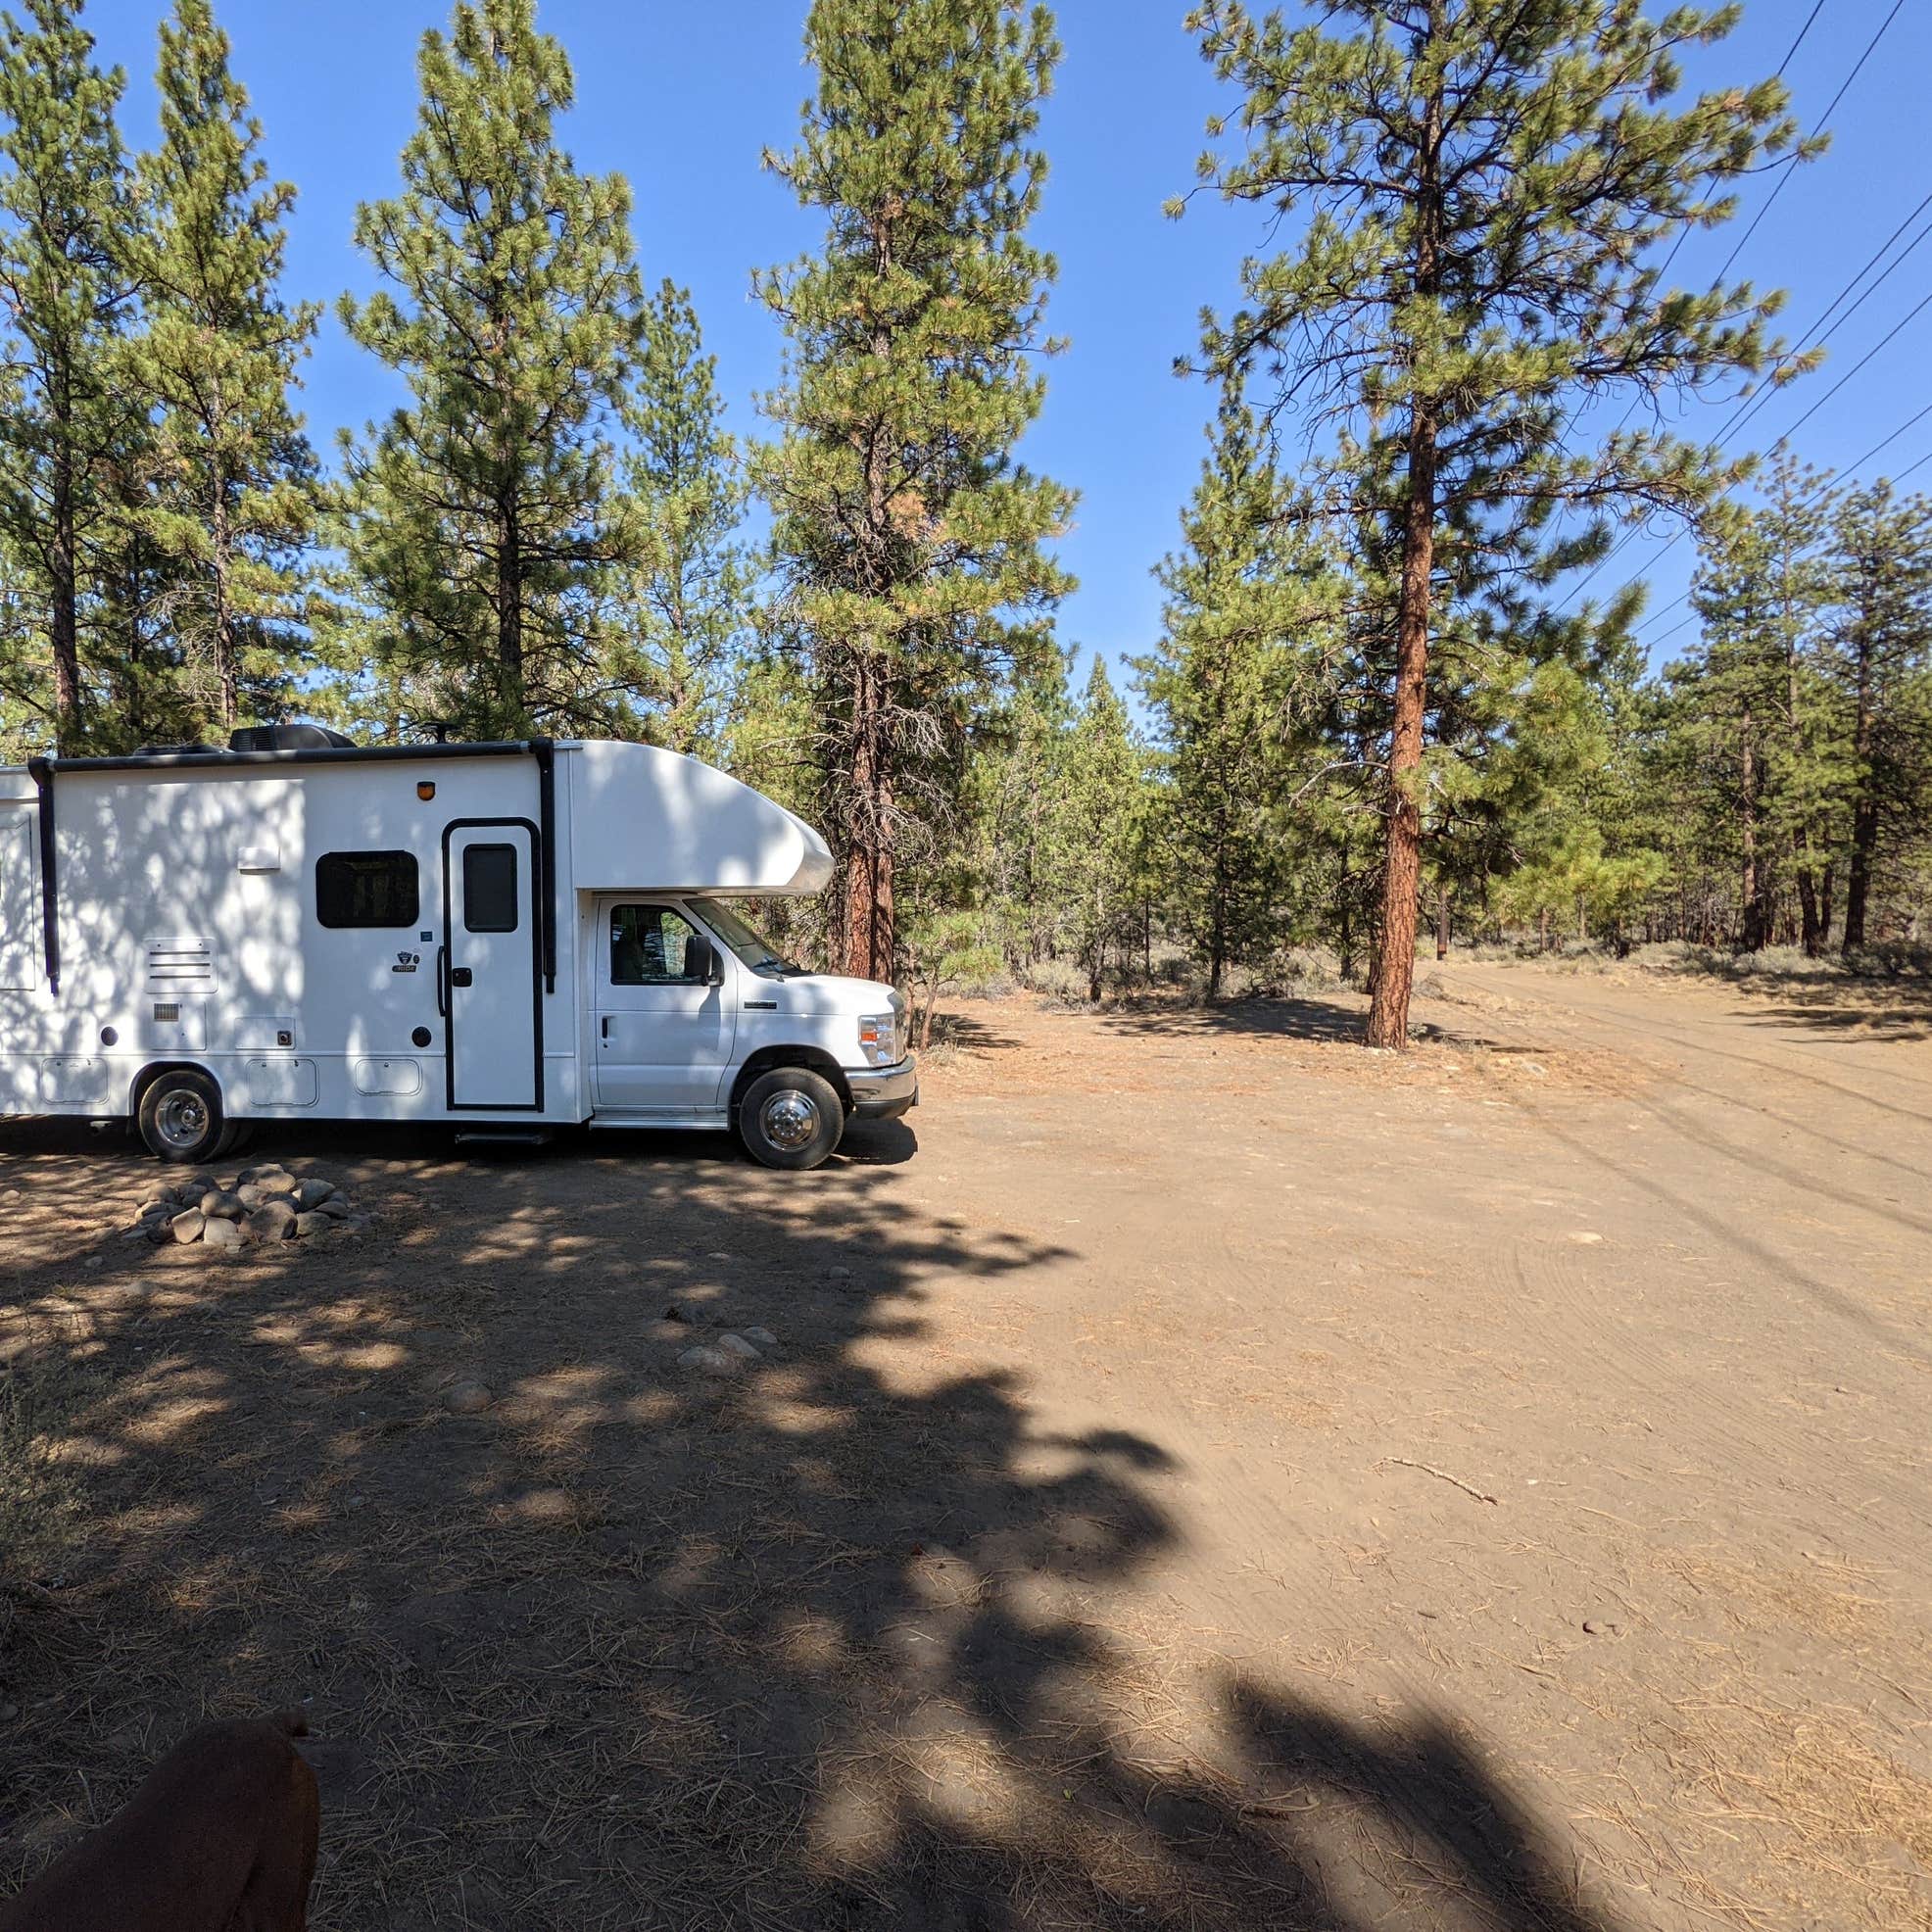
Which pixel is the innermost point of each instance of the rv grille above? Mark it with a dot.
(179, 967)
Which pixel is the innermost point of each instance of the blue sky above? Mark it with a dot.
(683, 98)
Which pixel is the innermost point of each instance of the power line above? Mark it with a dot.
(1825, 121)
(1884, 442)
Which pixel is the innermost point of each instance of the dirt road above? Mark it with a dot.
(1208, 1475)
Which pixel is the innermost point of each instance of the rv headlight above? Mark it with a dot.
(878, 1037)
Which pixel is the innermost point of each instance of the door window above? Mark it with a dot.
(489, 888)
(651, 946)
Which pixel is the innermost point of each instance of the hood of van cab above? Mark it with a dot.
(825, 995)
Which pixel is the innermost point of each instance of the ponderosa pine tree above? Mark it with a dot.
(65, 214)
(482, 529)
(1245, 597)
(1477, 184)
(232, 500)
(1758, 712)
(1881, 648)
(1100, 809)
(908, 543)
(682, 603)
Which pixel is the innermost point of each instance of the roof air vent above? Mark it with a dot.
(286, 738)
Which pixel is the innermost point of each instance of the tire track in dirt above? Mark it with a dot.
(1644, 1022)
(1702, 1410)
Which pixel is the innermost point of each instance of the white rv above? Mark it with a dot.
(501, 936)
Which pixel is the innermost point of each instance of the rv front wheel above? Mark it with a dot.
(790, 1118)
(181, 1117)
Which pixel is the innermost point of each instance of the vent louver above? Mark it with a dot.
(179, 968)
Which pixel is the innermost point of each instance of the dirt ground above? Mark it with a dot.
(1210, 1476)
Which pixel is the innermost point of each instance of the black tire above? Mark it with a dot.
(181, 1117)
(790, 1118)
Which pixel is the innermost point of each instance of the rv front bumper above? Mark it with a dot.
(884, 1092)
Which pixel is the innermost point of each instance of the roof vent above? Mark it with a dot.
(286, 738)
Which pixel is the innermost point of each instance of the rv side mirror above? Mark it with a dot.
(701, 962)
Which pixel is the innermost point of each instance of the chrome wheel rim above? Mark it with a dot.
(181, 1119)
(788, 1120)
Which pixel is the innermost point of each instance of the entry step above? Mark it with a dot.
(505, 1137)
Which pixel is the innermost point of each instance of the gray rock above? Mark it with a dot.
(762, 1337)
(313, 1193)
(186, 1228)
(307, 1226)
(707, 1361)
(468, 1397)
(218, 1204)
(335, 1207)
(273, 1221)
(219, 1233)
(268, 1171)
(737, 1346)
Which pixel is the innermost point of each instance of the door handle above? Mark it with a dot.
(442, 984)
(604, 1032)
(459, 976)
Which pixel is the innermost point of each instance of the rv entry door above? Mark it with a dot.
(488, 967)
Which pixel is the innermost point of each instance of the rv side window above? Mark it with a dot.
(648, 945)
(366, 888)
(489, 888)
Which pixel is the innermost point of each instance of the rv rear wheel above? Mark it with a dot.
(181, 1117)
(790, 1118)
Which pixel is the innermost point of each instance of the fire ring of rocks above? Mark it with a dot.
(259, 1206)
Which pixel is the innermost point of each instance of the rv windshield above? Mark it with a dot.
(743, 939)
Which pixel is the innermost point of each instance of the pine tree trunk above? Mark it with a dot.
(1827, 882)
(64, 589)
(1396, 957)
(1810, 934)
(1402, 868)
(1865, 811)
(1752, 883)
(1857, 881)
(867, 926)
(224, 642)
(513, 699)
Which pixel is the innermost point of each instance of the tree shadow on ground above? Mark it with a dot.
(1335, 1021)
(837, 1642)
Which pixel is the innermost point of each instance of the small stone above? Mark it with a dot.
(335, 1207)
(7, 1713)
(161, 1204)
(92, 1261)
(307, 1226)
(217, 1233)
(762, 1337)
(838, 1273)
(270, 1171)
(467, 1397)
(273, 1221)
(707, 1361)
(737, 1346)
(218, 1204)
(186, 1228)
(313, 1193)
(12, 1195)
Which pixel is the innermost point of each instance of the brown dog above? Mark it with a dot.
(221, 1837)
